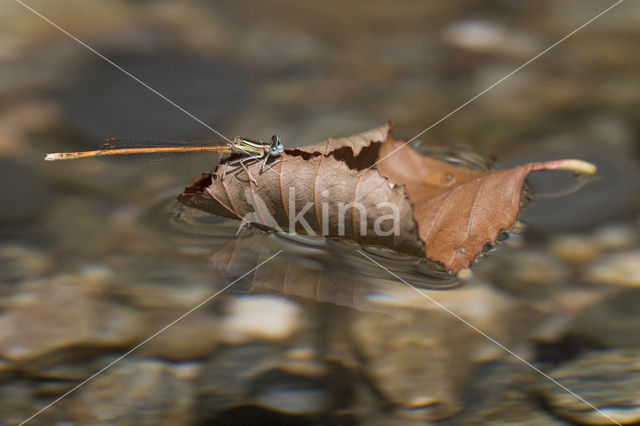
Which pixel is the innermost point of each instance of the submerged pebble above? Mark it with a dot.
(574, 248)
(260, 317)
(135, 392)
(419, 367)
(613, 322)
(579, 248)
(194, 337)
(609, 380)
(526, 272)
(22, 262)
(615, 237)
(498, 396)
(52, 322)
(621, 268)
(258, 375)
(485, 37)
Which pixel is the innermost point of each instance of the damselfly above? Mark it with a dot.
(249, 149)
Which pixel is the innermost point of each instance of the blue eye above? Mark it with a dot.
(276, 147)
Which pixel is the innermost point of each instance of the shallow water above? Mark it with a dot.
(96, 258)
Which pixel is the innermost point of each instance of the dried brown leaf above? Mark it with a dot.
(312, 197)
(444, 212)
(356, 143)
(459, 210)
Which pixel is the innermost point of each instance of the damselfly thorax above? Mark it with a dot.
(249, 149)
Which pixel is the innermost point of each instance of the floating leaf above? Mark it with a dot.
(408, 202)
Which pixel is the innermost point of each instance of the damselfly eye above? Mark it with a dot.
(276, 147)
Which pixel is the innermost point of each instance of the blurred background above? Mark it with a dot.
(96, 256)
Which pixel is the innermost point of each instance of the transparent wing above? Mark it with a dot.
(144, 149)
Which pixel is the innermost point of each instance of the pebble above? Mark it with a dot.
(525, 273)
(531, 267)
(574, 248)
(615, 236)
(256, 374)
(70, 373)
(488, 37)
(369, 411)
(571, 301)
(19, 403)
(260, 317)
(621, 268)
(509, 409)
(193, 337)
(613, 322)
(586, 247)
(419, 367)
(479, 303)
(499, 395)
(134, 392)
(49, 322)
(18, 262)
(153, 296)
(607, 379)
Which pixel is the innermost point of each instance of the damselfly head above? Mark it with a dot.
(276, 147)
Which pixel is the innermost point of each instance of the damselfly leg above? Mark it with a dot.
(241, 161)
(264, 167)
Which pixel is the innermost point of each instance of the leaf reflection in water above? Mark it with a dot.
(327, 271)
